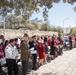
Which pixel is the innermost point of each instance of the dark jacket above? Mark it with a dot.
(33, 44)
(46, 49)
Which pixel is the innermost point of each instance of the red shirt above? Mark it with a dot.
(4, 46)
(49, 42)
(1, 56)
(41, 51)
(75, 38)
(17, 45)
(56, 41)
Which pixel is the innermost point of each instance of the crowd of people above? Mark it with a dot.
(37, 46)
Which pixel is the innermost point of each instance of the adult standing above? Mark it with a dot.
(53, 48)
(45, 38)
(75, 41)
(24, 54)
(41, 52)
(33, 45)
(70, 41)
(49, 41)
(11, 54)
(1, 56)
(4, 46)
(60, 44)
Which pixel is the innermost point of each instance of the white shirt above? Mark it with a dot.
(11, 52)
(19, 41)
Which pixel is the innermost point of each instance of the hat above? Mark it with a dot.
(25, 38)
(25, 35)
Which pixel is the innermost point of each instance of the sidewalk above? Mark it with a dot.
(62, 65)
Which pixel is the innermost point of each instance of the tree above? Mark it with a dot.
(73, 31)
(19, 7)
(9, 21)
(74, 8)
(57, 29)
(13, 21)
(26, 7)
(35, 24)
(45, 27)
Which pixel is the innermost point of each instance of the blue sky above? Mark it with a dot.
(58, 13)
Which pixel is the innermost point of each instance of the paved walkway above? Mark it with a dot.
(62, 65)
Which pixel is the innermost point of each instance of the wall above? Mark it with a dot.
(19, 33)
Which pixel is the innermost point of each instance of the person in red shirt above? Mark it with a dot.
(4, 46)
(75, 41)
(1, 56)
(57, 44)
(49, 41)
(1, 52)
(41, 52)
(56, 41)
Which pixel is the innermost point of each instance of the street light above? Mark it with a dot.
(64, 21)
(4, 27)
(75, 22)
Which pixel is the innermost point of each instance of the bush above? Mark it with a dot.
(73, 31)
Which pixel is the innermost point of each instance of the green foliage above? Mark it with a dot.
(17, 22)
(1, 26)
(35, 24)
(45, 27)
(29, 27)
(57, 29)
(73, 31)
(26, 7)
